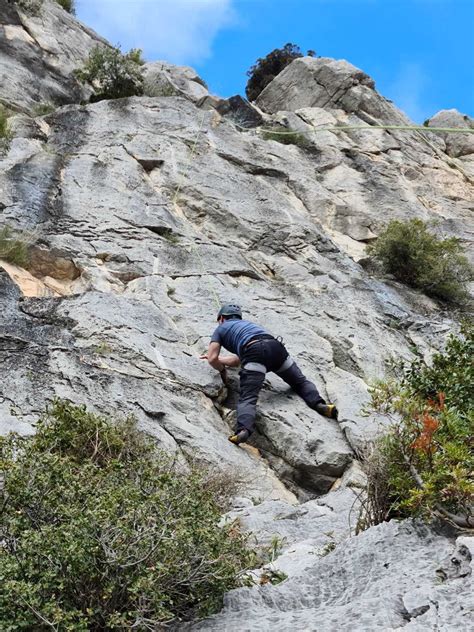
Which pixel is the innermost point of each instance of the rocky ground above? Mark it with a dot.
(146, 212)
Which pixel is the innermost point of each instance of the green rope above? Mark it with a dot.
(174, 201)
(343, 128)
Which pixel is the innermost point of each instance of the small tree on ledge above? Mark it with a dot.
(112, 74)
(267, 68)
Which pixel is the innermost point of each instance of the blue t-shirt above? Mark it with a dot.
(235, 333)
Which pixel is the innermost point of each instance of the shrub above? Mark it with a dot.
(267, 68)
(424, 465)
(5, 133)
(13, 249)
(113, 75)
(422, 260)
(68, 5)
(100, 531)
(43, 109)
(286, 137)
(32, 7)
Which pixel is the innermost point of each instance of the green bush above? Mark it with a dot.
(68, 5)
(111, 74)
(267, 68)
(13, 249)
(415, 256)
(43, 109)
(286, 136)
(424, 465)
(34, 6)
(100, 531)
(5, 133)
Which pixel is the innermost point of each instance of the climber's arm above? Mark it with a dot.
(219, 363)
(230, 360)
(212, 356)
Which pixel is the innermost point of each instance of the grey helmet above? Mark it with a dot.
(229, 309)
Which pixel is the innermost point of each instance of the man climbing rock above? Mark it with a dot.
(257, 352)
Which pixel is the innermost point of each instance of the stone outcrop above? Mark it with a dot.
(40, 47)
(147, 212)
(165, 79)
(386, 578)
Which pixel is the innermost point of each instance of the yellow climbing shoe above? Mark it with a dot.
(327, 410)
(239, 437)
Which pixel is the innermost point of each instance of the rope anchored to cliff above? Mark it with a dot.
(344, 128)
(192, 239)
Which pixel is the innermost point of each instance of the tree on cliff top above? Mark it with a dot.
(112, 74)
(267, 68)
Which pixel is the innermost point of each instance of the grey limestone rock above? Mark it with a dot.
(145, 213)
(39, 50)
(382, 579)
(163, 79)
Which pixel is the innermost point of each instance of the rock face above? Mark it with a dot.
(39, 49)
(387, 578)
(145, 213)
(164, 79)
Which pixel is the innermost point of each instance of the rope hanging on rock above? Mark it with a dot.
(343, 128)
(193, 245)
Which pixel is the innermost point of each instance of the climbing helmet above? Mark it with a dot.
(229, 309)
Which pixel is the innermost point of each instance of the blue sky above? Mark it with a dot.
(420, 52)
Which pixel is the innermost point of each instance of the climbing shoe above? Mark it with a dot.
(327, 410)
(239, 437)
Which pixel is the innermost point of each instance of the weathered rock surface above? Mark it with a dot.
(164, 208)
(383, 579)
(39, 50)
(165, 79)
(146, 212)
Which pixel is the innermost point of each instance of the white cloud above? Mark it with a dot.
(180, 31)
(408, 90)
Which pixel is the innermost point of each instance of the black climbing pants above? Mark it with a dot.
(268, 354)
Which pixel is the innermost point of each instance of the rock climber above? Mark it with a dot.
(257, 352)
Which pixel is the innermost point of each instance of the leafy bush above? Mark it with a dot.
(286, 137)
(43, 109)
(5, 133)
(424, 465)
(34, 6)
(422, 260)
(13, 249)
(113, 75)
(100, 531)
(267, 68)
(68, 5)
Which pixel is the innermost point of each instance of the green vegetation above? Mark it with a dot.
(100, 531)
(43, 109)
(68, 5)
(415, 256)
(33, 7)
(13, 249)
(5, 133)
(286, 136)
(424, 465)
(267, 68)
(29, 6)
(103, 348)
(112, 74)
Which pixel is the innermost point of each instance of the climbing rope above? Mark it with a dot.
(343, 128)
(336, 128)
(193, 245)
